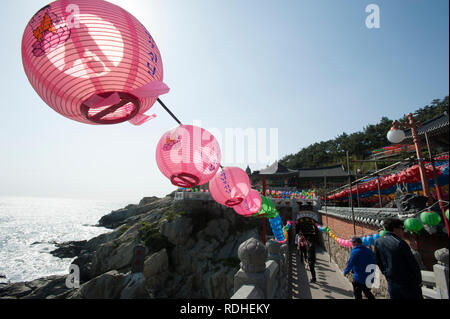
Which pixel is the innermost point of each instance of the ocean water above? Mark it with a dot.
(29, 227)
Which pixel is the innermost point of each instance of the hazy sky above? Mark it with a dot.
(310, 68)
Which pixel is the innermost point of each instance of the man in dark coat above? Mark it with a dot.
(397, 263)
(311, 248)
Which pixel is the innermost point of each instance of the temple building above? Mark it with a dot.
(279, 176)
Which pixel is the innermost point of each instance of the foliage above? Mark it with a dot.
(152, 238)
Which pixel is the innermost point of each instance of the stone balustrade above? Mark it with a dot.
(435, 283)
(263, 272)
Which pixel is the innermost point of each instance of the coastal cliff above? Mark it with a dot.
(191, 252)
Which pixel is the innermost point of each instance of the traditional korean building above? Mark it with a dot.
(279, 176)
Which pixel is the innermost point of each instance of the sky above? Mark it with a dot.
(310, 69)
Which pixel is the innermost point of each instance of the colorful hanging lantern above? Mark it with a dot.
(188, 156)
(267, 208)
(446, 213)
(413, 225)
(230, 186)
(430, 218)
(276, 224)
(93, 62)
(250, 205)
(382, 233)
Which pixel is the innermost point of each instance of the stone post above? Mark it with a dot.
(441, 272)
(275, 253)
(252, 254)
(285, 270)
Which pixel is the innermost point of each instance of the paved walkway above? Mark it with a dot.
(331, 283)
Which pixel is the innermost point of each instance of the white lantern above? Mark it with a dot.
(395, 135)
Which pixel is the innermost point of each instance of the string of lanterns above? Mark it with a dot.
(310, 194)
(367, 240)
(426, 217)
(390, 183)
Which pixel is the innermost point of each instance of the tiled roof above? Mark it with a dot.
(330, 171)
(370, 216)
(435, 126)
(277, 169)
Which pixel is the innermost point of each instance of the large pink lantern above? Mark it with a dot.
(188, 156)
(230, 186)
(93, 62)
(250, 205)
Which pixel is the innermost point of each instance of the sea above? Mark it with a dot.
(30, 227)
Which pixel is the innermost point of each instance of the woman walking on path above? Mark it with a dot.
(302, 247)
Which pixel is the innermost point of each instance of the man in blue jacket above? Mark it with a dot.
(397, 263)
(360, 258)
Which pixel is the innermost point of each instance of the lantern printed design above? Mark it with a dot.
(188, 155)
(93, 62)
(49, 31)
(250, 205)
(230, 186)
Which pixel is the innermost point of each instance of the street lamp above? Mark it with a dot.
(396, 135)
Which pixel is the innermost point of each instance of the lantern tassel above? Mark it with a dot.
(140, 119)
(151, 90)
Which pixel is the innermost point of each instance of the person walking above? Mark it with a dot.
(297, 236)
(360, 258)
(397, 263)
(311, 249)
(302, 248)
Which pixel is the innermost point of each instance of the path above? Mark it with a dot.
(331, 283)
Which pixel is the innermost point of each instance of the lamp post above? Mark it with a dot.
(396, 135)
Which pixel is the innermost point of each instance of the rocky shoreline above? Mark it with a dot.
(191, 252)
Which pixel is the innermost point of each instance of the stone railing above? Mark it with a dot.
(435, 283)
(263, 270)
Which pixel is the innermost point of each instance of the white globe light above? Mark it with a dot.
(395, 136)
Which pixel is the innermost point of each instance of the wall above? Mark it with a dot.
(426, 245)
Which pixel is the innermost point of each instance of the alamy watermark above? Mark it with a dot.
(373, 19)
(73, 279)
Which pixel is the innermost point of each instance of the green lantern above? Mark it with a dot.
(267, 208)
(413, 225)
(446, 213)
(430, 218)
(382, 233)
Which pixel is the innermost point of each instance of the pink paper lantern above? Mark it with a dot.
(188, 155)
(250, 205)
(93, 62)
(230, 186)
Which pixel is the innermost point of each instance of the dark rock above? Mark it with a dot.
(114, 285)
(119, 217)
(69, 249)
(42, 288)
(148, 200)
